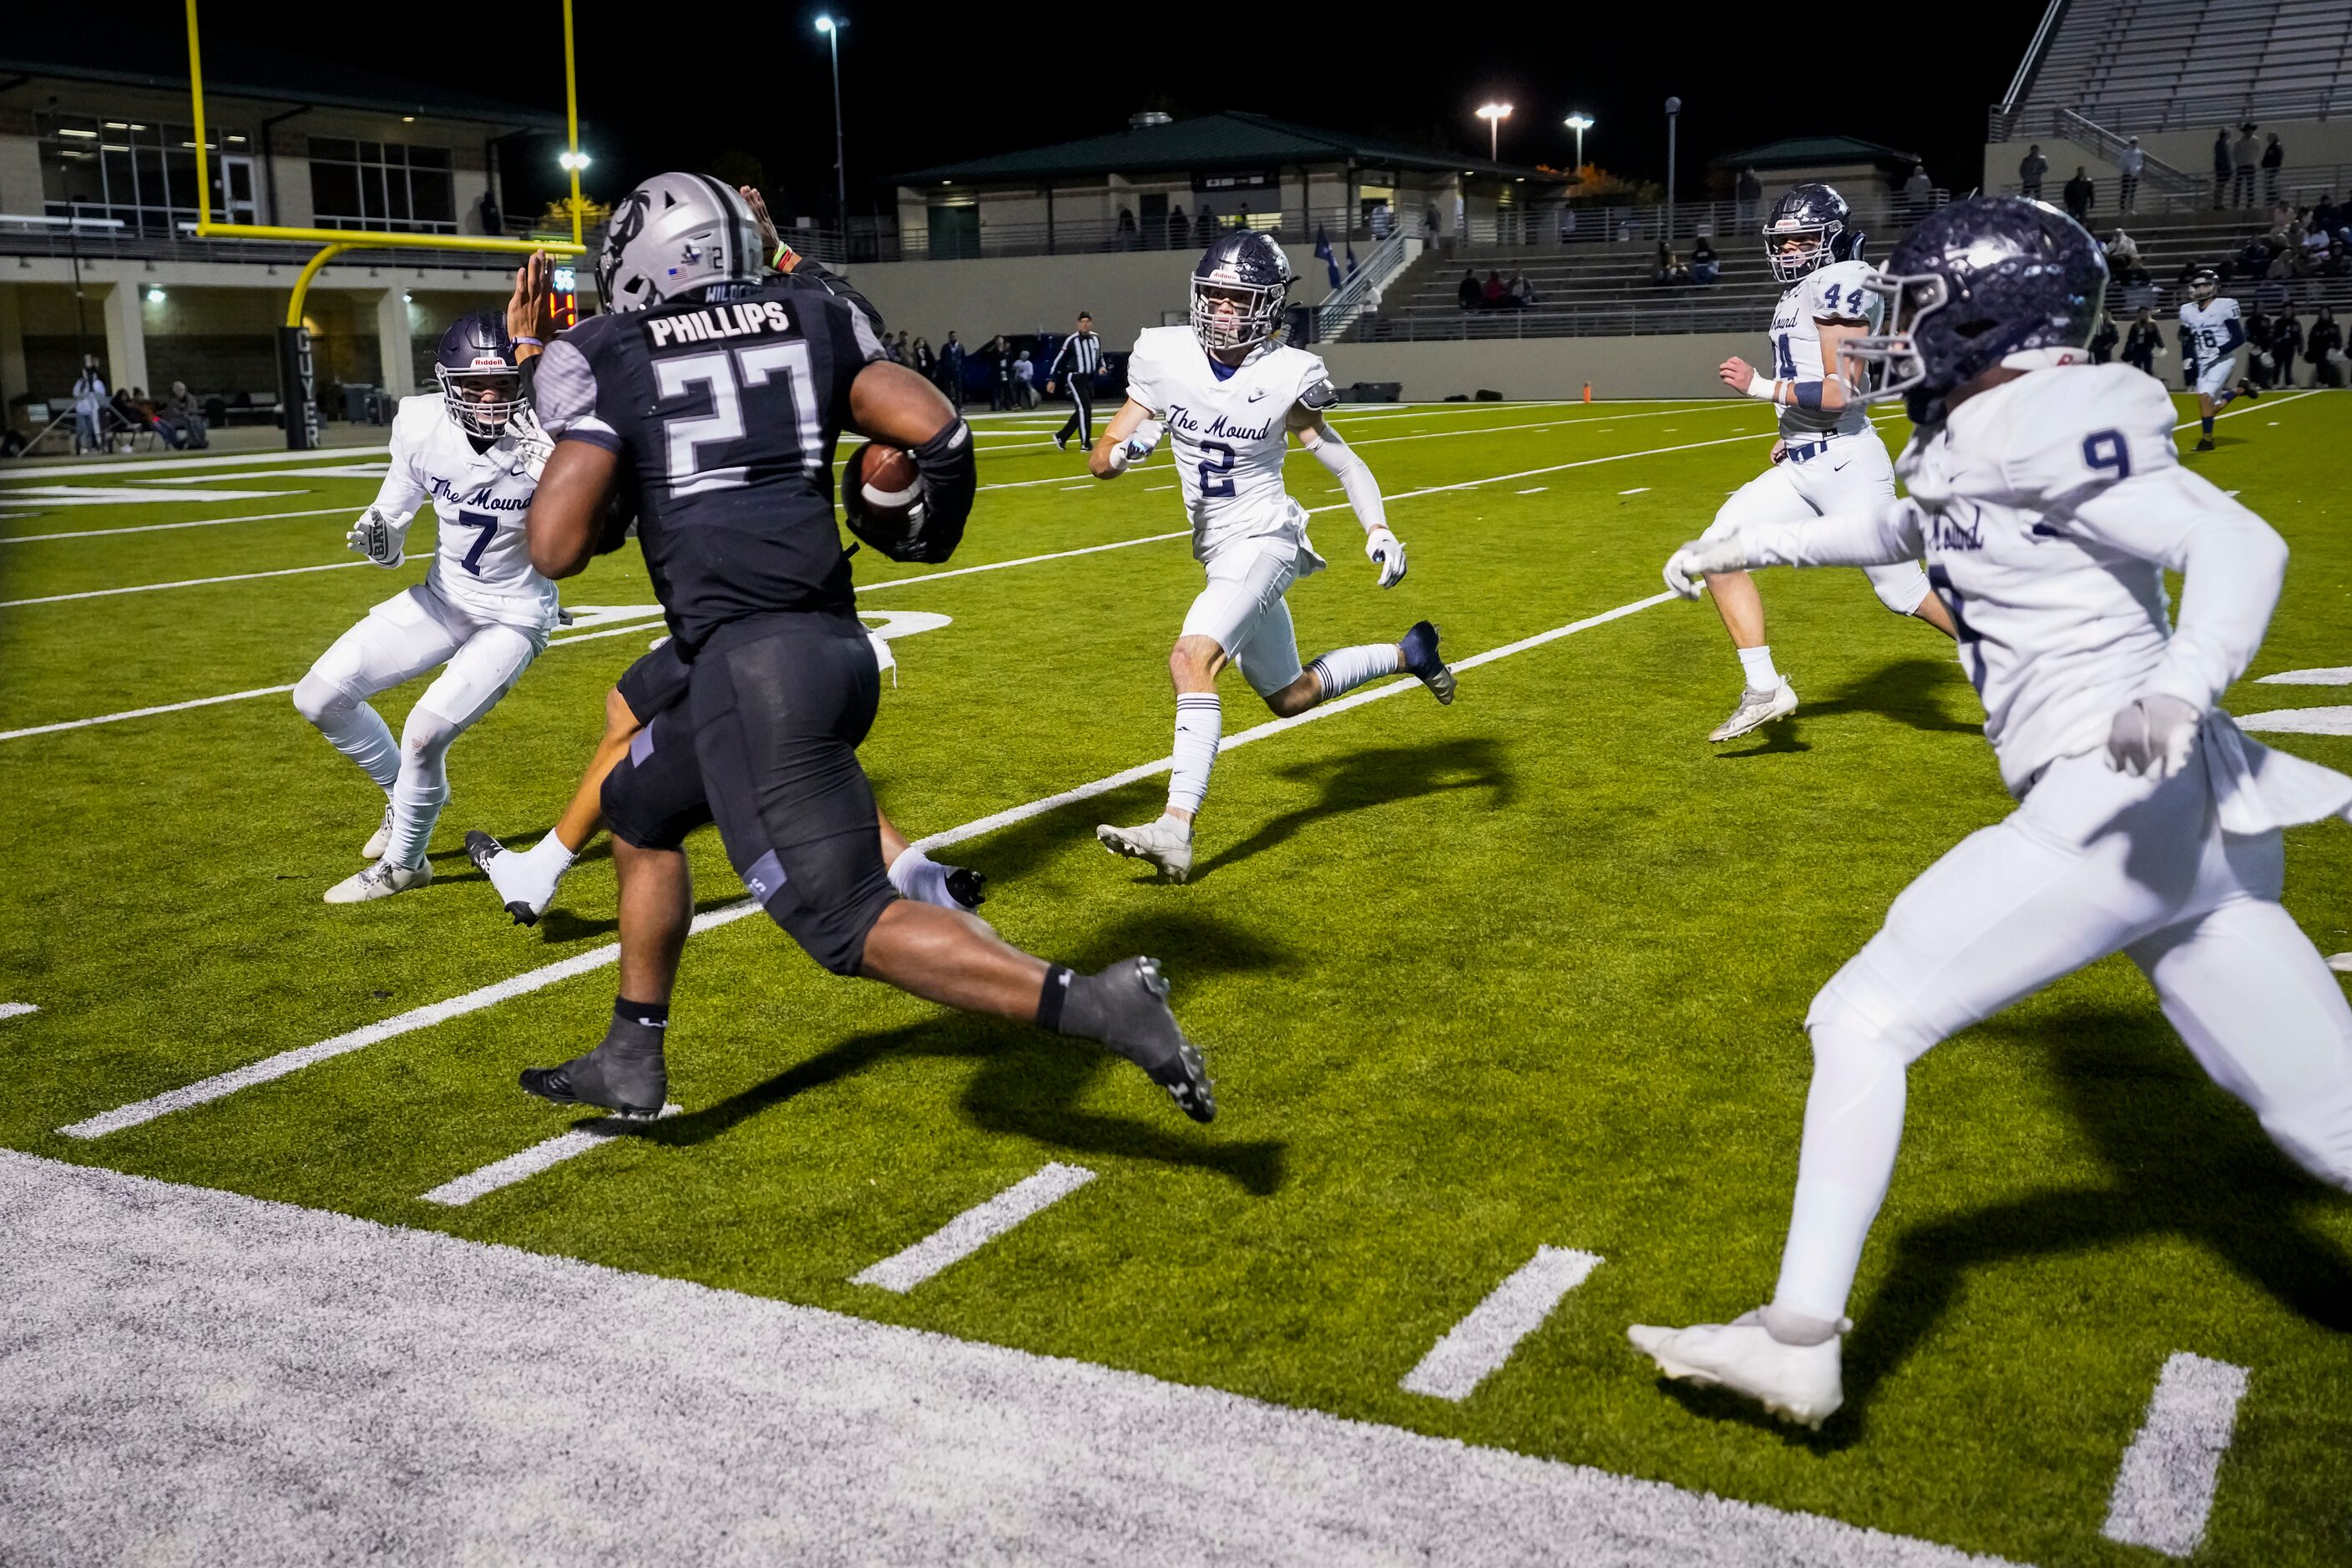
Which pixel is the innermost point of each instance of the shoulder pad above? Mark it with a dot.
(2069, 433)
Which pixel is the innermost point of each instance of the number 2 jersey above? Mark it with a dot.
(724, 413)
(1827, 293)
(1229, 432)
(481, 561)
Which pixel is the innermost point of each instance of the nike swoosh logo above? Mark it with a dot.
(1258, 393)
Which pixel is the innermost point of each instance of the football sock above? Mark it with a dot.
(1346, 669)
(2206, 423)
(1853, 1123)
(548, 860)
(353, 726)
(1200, 722)
(639, 1022)
(423, 786)
(918, 876)
(1755, 664)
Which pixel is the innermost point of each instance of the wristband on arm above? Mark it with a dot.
(1760, 388)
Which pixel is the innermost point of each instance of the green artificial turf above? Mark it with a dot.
(1527, 971)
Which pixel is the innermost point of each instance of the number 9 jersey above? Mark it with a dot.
(724, 413)
(1230, 429)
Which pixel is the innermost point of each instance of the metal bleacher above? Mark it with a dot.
(2141, 65)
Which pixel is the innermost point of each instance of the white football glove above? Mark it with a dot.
(2152, 736)
(1685, 567)
(1136, 446)
(374, 537)
(1386, 550)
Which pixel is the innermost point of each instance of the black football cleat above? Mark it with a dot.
(630, 1084)
(481, 849)
(1421, 660)
(964, 886)
(2204, 445)
(1130, 1001)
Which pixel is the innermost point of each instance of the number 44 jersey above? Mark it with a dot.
(1229, 431)
(1831, 293)
(482, 562)
(724, 413)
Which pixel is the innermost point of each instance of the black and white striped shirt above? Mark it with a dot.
(1082, 352)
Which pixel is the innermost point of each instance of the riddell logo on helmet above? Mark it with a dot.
(488, 362)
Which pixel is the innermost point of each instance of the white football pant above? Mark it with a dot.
(2093, 862)
(2214, 379)
(1243, 610)
(1838, 473)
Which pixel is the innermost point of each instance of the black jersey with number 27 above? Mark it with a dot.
(725, 414)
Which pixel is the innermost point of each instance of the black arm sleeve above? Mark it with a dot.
(951, 479)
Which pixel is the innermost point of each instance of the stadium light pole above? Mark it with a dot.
(831, 27)
(1674, 110)
(1494, 114)
(1579, 124)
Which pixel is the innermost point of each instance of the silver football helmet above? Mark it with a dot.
(674, 234)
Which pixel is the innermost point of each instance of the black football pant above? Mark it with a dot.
(1081, 422)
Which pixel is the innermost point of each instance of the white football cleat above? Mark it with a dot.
(380, 880)
(381, 839)
(1797, 1382)
(1758, 707)
(1167, 844)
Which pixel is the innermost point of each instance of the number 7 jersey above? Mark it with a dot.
(1229, 432)
(482, 559)
(724, 413)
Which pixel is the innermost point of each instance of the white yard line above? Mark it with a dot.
(184, 582)
(1477, 1346)
(974, 1228)
(17, 1009)
(305, 1356)
(270, 1068)
(149, 471)
(2165, 1490)
(165, 527)
(142, 713)
(539, 1157)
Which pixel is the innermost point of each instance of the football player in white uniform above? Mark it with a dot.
(1827, 457)
(2211, 330)
(474, 450)
(1230, 397)
(2047, 497)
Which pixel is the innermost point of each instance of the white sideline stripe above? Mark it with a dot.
(164, 527)
(2335, 674)
(184, 582)
(2297, 722)
(539, 1157)
(272, 1068)
(2165, 1490)
(16, 1009)
(974, 1228)
(754, 1430)
(1478, 1345)
(142, 713)
(178, 464)
(2341, 962)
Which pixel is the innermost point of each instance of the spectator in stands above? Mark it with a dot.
(1382, 220)
(1180, 229)
(2123, 251)
(1472, 297)
(1000, 354)
(2286, 345)
(2103, 342)
(2273, 159)
(2339, 259)
(1127, 233)
(926, 363)
(1567, 223)
(2220, 167)
(128, 416)
(1522, 293)
(2245, 156)
(2030, 169)
(1207, 225)
(2326, 218)
(2323, 350)
(2144, 342)
(1916, 192)
(1750, 191)
(182, 422)
(951, 358)
(2079, 195)
(1672, 271)
(1025, 380)
(88, 406)
(1430, 227)
(1704, 267)
(2129, 165)
(493, 222)
(1497, 293)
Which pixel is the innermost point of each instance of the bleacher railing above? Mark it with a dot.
(2139, 114)
(1594, 223)
(1387, 258)
(2302, 185)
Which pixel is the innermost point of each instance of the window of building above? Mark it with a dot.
(381, 184)
(141, 173)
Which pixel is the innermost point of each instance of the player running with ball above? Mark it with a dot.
(1230, 396)
(2047, 496)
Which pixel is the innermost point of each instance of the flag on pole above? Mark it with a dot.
(1351, 259)
(1323, 254)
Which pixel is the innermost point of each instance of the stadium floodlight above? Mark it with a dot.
(1494, 114)
(154, 296)
(831, 27)
(1579, 124)
(570, 160)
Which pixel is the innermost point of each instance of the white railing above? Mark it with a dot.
(1388, 259)
(2155, 173)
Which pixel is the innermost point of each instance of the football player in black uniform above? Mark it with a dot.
(712, 396)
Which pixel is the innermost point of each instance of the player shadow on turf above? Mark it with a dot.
(1361, 780)
(560, 925)
(1910, 691)
(2187, 1160)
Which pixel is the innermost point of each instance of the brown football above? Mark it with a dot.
(883, 481)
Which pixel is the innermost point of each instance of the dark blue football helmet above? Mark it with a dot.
(1807, 230)
(1977, 284)
(481, 384)
(1239, 290)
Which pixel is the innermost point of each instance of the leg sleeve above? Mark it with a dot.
(493, 660)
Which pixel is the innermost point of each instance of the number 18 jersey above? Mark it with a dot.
(724, 413)
(1831, 293)
(1229, 433)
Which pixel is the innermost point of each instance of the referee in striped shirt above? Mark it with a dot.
(1081, 354)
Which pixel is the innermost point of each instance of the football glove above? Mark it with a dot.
(374, 537)
(1386, 550)
(1686, 567)
(1136, 446)
(2152, 736)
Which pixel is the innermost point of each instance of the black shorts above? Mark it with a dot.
(654, 682)
(776, 708)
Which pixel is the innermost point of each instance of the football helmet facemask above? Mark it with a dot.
(1240, 289)
(1813, 216)
(480, 384)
